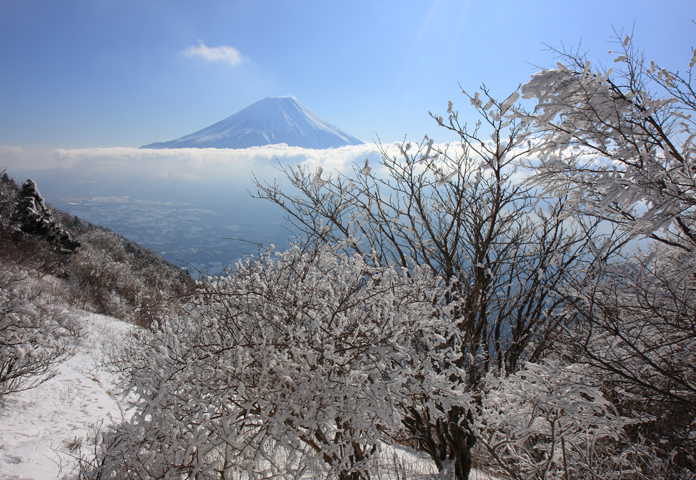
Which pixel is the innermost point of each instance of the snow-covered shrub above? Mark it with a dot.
(637, 324)
(35, 332)
(292, 364)
(552, 421)
(99, 272)
(620, 144)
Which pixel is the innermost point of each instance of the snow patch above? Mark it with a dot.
(38, 426)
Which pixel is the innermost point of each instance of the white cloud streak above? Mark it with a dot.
(192, 163)
(18, 158)
(207, 163)
(203, 167)
(224, 53)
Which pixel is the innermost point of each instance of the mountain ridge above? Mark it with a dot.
(271, 121)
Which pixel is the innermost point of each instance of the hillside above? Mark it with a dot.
(70, 292)
(100, 270)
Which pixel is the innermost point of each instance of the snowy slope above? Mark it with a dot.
(37, 426)
(268, 121)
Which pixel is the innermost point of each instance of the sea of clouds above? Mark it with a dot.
(186, 204)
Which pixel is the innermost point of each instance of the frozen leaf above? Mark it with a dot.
(475, 101)
(587, 68)
(510, 101)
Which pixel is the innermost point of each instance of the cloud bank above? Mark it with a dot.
(192, 164)
(224, 53)
(209, 164)
(209, 169)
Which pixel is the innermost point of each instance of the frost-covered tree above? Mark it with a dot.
(619, 143)
(552, 420)
(293, 364)
(458, 213)
(8, 200)
(33, 333)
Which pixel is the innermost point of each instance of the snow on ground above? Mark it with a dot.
(398, 463)
(36, 426)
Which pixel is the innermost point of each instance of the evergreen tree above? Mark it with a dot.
(33, 217)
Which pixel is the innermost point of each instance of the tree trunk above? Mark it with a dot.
(448, 441)
(460, 441)
(460, 451)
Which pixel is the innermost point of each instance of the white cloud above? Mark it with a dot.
(208, 163)
(223, 53)
(193, 163)
(17, 158)
(8, 150)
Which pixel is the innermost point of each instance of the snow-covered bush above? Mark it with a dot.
(306, 361)
(621, 145)
(636, 323)
(100, 271)
(35, 332)
(292, 364)
(552, 421)
(461, 213)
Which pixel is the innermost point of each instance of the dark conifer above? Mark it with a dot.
(33, 218)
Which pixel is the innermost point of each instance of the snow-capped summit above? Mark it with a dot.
(267, 122)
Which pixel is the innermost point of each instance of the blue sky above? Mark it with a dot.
(107, 73)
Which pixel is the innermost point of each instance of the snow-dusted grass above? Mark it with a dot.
(38, 427)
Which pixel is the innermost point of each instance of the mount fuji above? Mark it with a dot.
(267, 122)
